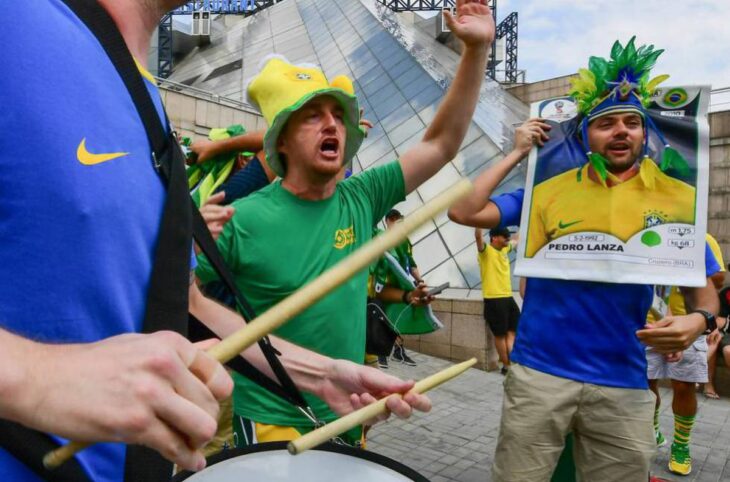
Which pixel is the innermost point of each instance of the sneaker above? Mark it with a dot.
(406, 359)
(383, 361)
(660, 440)
(504, 370)
(397, 354)
(680, 462)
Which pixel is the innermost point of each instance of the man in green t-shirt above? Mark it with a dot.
(404, 251)
(404, 255)
(291, 231)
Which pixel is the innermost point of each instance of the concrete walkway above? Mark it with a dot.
(456, 440)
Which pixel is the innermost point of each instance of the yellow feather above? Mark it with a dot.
(587, 75)
(653, 83)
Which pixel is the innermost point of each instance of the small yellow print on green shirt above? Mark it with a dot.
(344, 237)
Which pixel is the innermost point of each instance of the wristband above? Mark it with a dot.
(710, 322)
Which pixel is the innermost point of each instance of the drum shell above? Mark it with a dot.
(271, 462)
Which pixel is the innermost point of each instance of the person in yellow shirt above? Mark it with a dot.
(500, 310)
(635, 194)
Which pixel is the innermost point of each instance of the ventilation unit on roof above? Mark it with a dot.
(444, 26)
(201, 23)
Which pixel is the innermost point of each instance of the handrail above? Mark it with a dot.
(198, 92)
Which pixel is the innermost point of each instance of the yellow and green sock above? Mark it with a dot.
(682, 428)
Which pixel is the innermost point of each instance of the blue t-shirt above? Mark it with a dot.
(582, 330)
(77, 229)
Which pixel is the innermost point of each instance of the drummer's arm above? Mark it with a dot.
(343, 385)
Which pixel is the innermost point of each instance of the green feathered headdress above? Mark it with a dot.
(624, 75)
(622, 84)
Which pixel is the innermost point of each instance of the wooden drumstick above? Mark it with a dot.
(309, 294)
(358, 417)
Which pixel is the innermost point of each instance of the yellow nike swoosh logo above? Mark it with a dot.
(88, 159)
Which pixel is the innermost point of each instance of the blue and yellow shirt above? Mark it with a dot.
(574, 202)
(80, 203)
(582, 330)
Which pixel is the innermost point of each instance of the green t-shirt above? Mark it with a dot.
(275, 243)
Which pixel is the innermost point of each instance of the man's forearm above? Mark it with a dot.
(253, 142)
(467, 210)
(704, 298)
(306, 367)
(453, 117)
(14, 357)
(444, 136)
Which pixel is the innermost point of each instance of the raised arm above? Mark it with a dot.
(474, 26)
(479, 237)
(205, 149)
(476, 209)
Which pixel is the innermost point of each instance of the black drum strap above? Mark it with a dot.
(29, 446)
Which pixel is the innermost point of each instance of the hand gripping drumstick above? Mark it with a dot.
(358, 417)
(307, 295)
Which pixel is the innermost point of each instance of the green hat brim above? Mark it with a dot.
(354, 134)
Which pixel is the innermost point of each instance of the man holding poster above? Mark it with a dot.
(578, 360)
(609, 198)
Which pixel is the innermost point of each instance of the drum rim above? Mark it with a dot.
(379, 459)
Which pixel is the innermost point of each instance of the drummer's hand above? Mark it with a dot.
(157, 390)
(349, 386)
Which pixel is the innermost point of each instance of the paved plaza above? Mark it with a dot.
(456, 440)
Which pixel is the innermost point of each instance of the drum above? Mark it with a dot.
(329, 462)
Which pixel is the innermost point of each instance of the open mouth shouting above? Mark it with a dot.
(619, 149)
(330, 148)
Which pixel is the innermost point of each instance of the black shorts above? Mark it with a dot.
(501, 314)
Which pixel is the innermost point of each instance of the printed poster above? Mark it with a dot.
(649, 229)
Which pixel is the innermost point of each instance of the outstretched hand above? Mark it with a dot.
(473, 24)
(349, 386)
(673, 333)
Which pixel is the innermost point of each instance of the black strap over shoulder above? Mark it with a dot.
(167, 303)
(30, 446)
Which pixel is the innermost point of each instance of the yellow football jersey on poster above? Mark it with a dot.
(494, 268)
(572, 202)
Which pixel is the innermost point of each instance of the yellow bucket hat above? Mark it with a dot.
(281, 88)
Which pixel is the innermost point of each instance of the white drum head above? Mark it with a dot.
(272, 463)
